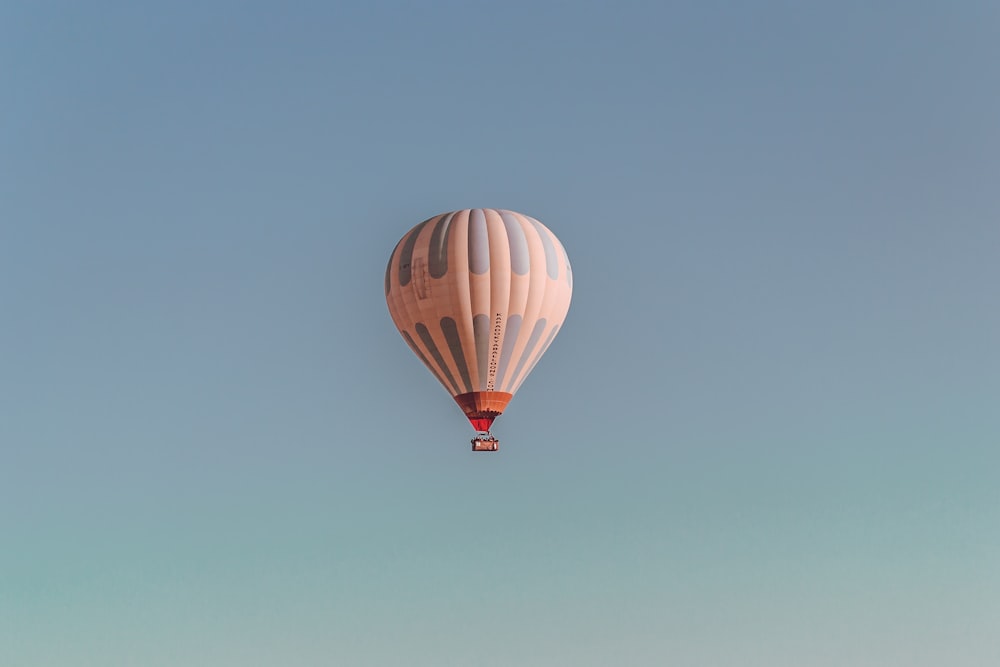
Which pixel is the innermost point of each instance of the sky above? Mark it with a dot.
(767, 433)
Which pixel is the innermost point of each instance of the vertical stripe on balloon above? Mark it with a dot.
(425, 336)
(518, 244)
(406, 255)
(569, 269)
(450, 330)
(538, 354)
(536, 333)
(509, 340)
(438, 259)
(481, 327)
(479, 243)
(551, 263)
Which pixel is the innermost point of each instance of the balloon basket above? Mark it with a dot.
(485, 443)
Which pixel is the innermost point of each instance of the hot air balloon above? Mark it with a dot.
(479, 295)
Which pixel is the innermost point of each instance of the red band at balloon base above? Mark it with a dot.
(482, 407)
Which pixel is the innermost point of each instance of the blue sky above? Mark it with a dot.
(783, 222)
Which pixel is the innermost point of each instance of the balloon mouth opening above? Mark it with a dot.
(482, 421)
(482, 407)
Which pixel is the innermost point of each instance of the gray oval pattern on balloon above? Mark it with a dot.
(569, 268)
(479, 242)
(450, 331)
(519, 254)
(551, 260)
(438, 259)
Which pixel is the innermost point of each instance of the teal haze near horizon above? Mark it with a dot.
(766, 435)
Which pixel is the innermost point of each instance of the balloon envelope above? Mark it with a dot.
(478, 295)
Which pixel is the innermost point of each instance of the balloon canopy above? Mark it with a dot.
(478, 295)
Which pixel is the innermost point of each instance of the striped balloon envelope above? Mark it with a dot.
(479, 295)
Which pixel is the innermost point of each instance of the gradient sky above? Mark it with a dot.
(768, 433)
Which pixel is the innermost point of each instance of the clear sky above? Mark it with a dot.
(768, 433)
